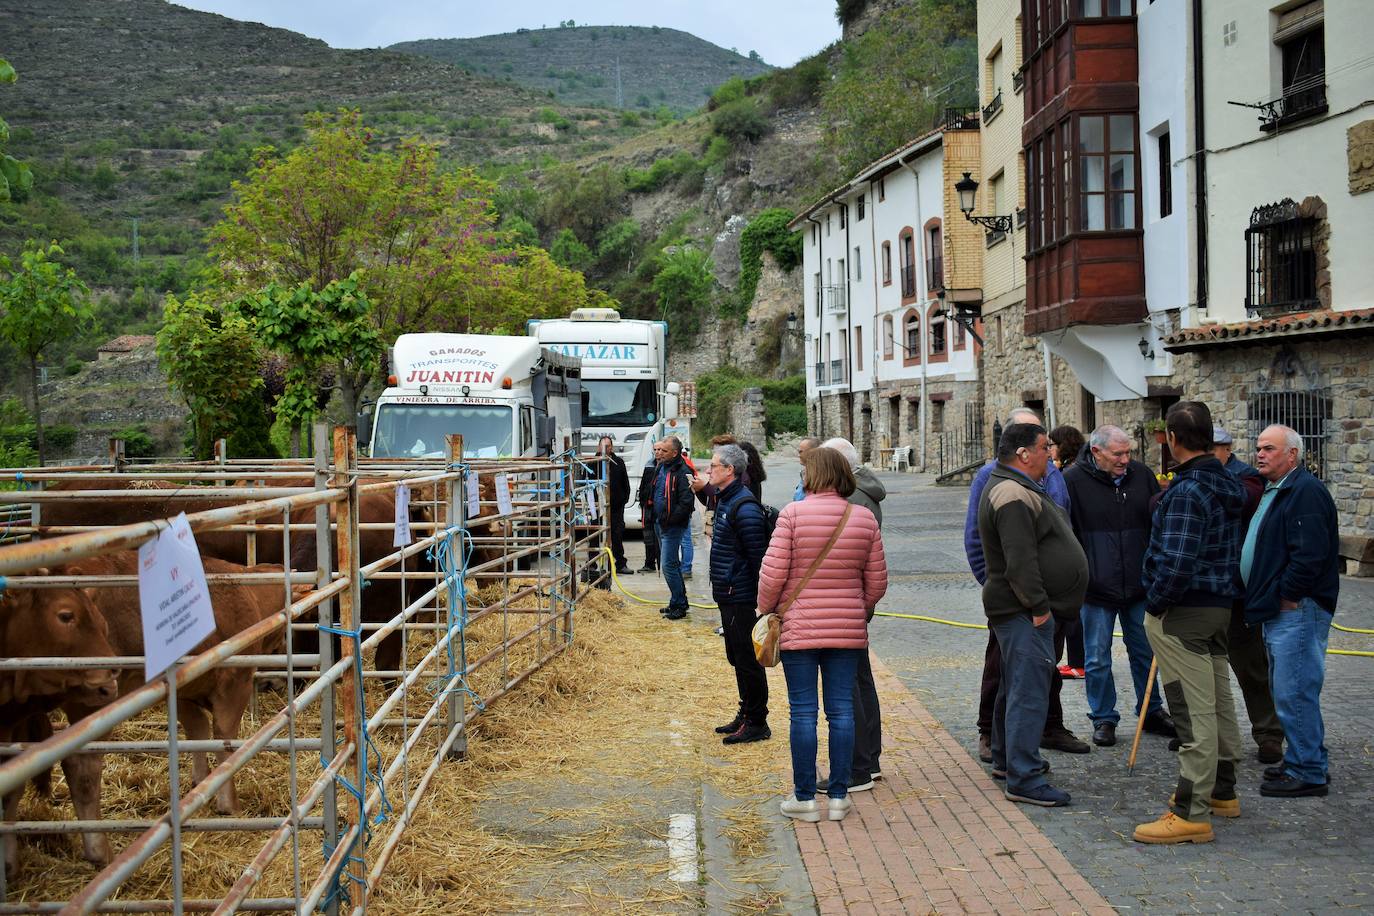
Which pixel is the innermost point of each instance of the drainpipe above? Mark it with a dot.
(820, 319)
(1049, 387)
(925, 409)
(848, 320)
(877, 324)
(1200, 127)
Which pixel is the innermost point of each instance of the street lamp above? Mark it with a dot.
(1146, 350)
(967, 189)
(791, 322)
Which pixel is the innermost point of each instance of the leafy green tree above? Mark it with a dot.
(766, 232)
(325, 332)
(16, 179)
(568, 251)
(528, 284)
(335, 204)
(878, 99)
(741, 121)
(683, 285)
(847, 11)
(40, 303)
(213, 360)
(618, 244)
(585, 202)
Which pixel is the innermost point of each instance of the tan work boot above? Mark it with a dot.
(1221, 807)
(1173, 829)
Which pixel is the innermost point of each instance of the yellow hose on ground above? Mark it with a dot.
(928, 619)
(981, 626)
(615, 577)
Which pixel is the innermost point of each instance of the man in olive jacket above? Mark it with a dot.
(1036, 571)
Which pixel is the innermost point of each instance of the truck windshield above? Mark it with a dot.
(418, 430)
(619, 402)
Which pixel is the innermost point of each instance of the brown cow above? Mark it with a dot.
(213, 702)
(381, 599)
(55, 622)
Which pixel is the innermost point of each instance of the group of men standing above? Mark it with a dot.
(1227, 564)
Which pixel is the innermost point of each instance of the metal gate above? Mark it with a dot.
(963, 445)
(1292, 395)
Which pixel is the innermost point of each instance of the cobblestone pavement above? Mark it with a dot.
(1281, 856)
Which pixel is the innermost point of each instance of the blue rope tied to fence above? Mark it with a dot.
(372, 772)
(442, 554)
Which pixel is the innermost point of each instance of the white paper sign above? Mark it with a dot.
(173, 596)
(402, 537)
(593, 505)
(503, 503)
(474, 496)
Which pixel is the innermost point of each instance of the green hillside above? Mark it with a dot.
(141, 113)
(578, 64)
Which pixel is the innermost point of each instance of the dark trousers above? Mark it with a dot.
(750, 679)
(1250, 662)
(992, 678)
(1073, 642)
(868, 724)
(1022, 694)
(650, 542)
(617, 526)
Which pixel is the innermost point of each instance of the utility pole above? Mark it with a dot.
(619, 90)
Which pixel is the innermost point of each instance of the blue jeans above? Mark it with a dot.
(1296, 643)
(688, 550)
(1023, 698)
(837, 668)
(1098, 623)
(669, 560)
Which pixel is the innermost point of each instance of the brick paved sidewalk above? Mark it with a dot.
(935, 834)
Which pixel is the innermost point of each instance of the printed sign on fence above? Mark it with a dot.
(173, 596)
(403, 537)
(474, 495)
(503, 503)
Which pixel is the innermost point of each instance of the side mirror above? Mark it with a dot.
(364, 424)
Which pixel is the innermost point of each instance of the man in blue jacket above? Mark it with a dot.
(739, 539)
(672, 511)
(1290, 563)
(1191, 576)
(1056, 737)
(1112, 497)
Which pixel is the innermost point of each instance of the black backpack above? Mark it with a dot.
(770, 514)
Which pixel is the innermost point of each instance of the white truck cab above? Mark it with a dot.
(507, 396)
(625, 389)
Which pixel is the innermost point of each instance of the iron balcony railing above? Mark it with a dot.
(836, 300)
(935, 272)
(908, 280)
(993, 107)
(1301, 100)
(837, 372)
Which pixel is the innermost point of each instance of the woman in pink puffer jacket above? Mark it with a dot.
(826, 627)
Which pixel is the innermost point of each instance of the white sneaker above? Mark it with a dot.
(839, 807)
(808, 811)
(862, 787)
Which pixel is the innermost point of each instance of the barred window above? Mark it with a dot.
(1280, 260)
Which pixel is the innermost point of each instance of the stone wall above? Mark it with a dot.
(746, 416)
(1014, 373)
(114, 394)
(1225, 379)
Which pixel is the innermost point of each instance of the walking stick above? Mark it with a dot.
(1144, 708)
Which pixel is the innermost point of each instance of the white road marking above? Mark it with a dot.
(682, 848)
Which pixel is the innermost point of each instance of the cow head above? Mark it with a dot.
(55, 622)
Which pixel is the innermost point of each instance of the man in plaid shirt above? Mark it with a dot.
(1191, 577)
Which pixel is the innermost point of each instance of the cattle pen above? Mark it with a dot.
(371, 651)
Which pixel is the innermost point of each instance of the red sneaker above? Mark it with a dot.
(1076, 674)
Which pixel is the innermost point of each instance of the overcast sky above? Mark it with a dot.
(783, 31)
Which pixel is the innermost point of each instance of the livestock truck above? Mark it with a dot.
(625, 389)
(509, 397)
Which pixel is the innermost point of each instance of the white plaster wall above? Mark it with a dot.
(1165, 30)
(1248, 168)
